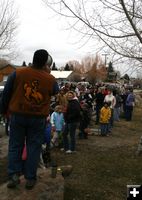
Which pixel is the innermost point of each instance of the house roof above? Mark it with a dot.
(57, 74)
(8, 65)
(61, 74)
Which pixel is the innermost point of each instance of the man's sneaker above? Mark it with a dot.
(13, 181)
(68, 151)
(30, 184)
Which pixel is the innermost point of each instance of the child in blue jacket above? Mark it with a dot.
(57, 123)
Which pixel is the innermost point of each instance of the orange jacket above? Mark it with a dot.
(32, 91)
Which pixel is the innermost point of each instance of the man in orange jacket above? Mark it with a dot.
(27, 96)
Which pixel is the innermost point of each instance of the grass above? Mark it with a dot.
(103, 167)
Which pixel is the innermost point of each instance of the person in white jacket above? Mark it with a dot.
(110, 98)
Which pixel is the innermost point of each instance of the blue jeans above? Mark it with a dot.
(104, 129)
(129, 112)
(116, 114)
(69, 136)
(111, 120)
(30, 129)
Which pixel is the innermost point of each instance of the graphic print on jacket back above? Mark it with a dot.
(32, 93)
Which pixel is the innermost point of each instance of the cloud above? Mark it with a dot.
(38, 30)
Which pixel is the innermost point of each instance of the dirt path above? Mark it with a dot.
(124, 134)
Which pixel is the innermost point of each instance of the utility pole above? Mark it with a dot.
(105, 54)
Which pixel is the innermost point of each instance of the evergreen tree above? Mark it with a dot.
(67, 67)
(110, 67)
(126, 77)
(54, 67)
(111, 74)
(24, 64)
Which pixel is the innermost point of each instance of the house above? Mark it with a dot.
(61, 75)
(5, 71)
(8, 69)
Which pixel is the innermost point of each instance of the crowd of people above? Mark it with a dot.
(72, 109)
(45, 112)
(107, 102)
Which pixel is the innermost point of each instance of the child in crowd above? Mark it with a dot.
(110, 98)
(84, 121)
(45, 153)
(105, 115)
(57, 123)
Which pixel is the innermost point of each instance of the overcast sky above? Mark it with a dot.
(38, 28)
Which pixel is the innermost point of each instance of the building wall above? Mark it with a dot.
(6, 71)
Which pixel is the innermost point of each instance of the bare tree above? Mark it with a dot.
(75, 66)
(113, 26)
(97, 69)
(91, 67)
(8, 27)
(3, 63)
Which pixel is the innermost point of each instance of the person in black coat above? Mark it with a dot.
(99, 98)
(72, 118)
(84, 121)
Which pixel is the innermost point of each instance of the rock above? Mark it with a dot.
(46, 188)
(66, 170)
